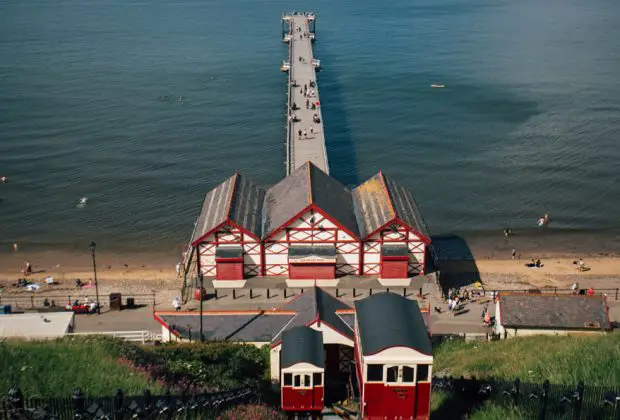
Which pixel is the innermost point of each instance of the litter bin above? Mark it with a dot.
(197, 294)
(6, 309)
(131, 302)
(116, 303)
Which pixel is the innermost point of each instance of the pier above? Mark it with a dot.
(305, 137)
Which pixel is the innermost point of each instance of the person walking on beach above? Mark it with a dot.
(311, 130)
(514, 254)
(177, 304)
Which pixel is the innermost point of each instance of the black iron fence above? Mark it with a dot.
(532, 401)
(289, 292)
(15, 406)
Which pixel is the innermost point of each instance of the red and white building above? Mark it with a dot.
(309, 229)
(392, 230)
(394, 364)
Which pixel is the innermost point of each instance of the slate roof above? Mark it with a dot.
(315, 303)
(236, 199)
(230, 327)
(390, 320)
(302, 345)
(305, 186)
(554, 312)
(380, 200)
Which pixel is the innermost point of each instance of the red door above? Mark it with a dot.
(229, 270)
(392, 268)
(312, 271)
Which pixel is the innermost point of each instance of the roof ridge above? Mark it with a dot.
(309, 183)
(387, 192)
(235, 182)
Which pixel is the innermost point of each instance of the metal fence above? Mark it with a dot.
(55, 300)
(534, 401)
(15, 406)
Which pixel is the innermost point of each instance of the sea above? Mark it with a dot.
(143, 106)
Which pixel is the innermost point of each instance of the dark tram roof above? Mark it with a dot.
(302, 345)
(389, 320)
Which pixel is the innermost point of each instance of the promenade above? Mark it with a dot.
(305, 134)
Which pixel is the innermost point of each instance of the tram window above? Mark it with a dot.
(374, 373)
(307, 381)
(407, 374)
(297, 380)
(288, 379)
(422, 373)
(317, 379)
(392, 374)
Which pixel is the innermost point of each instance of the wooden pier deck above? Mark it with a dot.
(305, 137)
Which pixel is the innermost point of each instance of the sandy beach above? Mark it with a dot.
(470, 259)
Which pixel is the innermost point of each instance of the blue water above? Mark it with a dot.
(144, 106)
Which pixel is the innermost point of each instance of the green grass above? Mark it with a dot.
(100, 365)
(56, 368)
(561, 360)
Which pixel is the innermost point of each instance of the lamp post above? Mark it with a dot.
(92, 247)
(201, 276)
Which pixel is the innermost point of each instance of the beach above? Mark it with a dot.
(474, 258)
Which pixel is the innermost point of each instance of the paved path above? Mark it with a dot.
(310, 145)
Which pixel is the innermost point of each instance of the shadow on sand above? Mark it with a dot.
(454, 262)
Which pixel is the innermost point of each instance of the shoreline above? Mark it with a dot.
(485, 256)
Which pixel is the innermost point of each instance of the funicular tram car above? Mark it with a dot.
(393, 358)
(302, 370)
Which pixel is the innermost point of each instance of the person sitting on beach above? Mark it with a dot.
(538, 264)
(532, 263)
(590, 291)
(27, 269)
(76, 303)
(575, 288)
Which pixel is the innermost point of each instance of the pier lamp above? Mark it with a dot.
(92, 247)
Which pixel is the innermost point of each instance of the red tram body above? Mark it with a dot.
(302, 370)
(393, 357)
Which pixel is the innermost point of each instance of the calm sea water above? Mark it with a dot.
(144, 106)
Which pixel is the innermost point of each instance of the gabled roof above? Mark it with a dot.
(307, 186)
(315, 304)
(389, 320)
(554, 312)
(236, 199)
(251, 326)
(379, 200)
(302, 345)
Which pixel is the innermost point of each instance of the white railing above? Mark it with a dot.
(133, 336)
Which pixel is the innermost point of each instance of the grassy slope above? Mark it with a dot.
(55, 368)
(561, 360)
